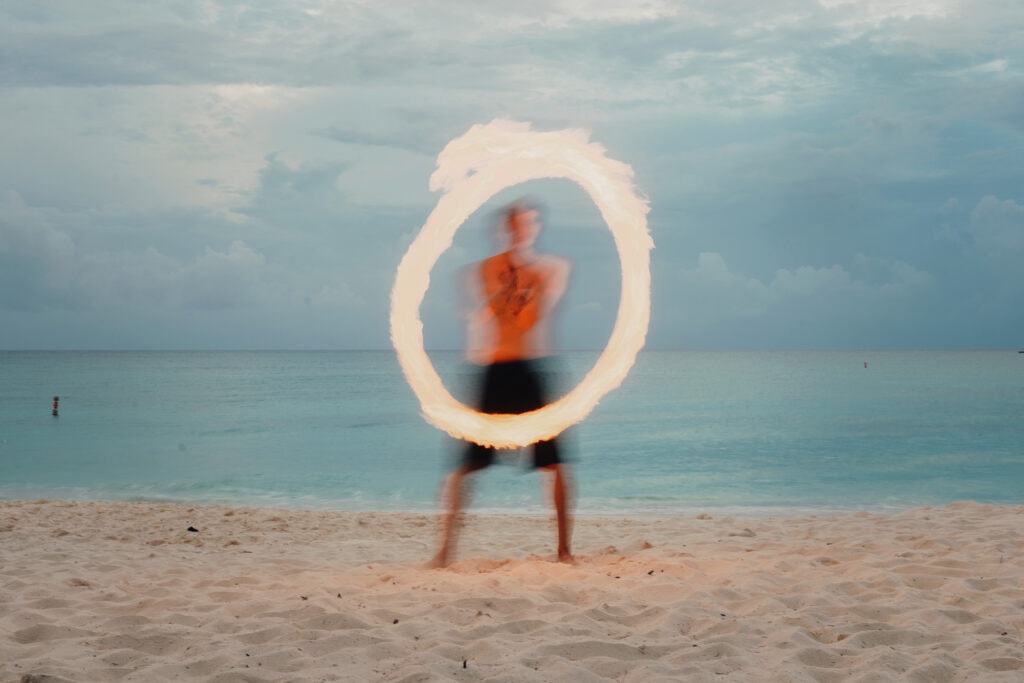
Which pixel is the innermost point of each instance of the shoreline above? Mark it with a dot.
(124, 591)
(589, 509)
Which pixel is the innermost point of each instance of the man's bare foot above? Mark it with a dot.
(565, 557)
(439, 561)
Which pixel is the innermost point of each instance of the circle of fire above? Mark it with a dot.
(470, 170)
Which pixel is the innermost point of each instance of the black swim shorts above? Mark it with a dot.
(511, 387)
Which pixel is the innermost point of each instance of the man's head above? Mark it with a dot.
(521, 225)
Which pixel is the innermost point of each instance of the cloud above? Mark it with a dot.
(46, 265)
(406, 138)
(870, 302)
(218, 280)
(231, 158)
(286, 191)
(163, 54)
(876, 12)
(712, 292)
(142, 147)
(37, 259)
(997, 229)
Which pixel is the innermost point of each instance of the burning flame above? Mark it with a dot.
(470, 170)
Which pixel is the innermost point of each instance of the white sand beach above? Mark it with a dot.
(126, 592)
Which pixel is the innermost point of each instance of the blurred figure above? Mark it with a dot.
(514, 294)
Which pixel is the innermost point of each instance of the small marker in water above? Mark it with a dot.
(56, 412)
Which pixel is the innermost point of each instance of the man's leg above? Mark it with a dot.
(452, 495)
(560, 492)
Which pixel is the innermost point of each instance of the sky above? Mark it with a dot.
(219, 174)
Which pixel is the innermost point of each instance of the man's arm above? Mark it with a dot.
(558, 280)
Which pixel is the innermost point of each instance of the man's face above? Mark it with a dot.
(523, 228)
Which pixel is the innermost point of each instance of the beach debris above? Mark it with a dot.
(464, 663)
(192, 529)
(746, 533)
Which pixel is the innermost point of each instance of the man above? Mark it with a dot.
(517, 290)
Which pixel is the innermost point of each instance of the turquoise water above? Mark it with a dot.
(746, 431)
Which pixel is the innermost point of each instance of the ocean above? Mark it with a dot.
(751, 432)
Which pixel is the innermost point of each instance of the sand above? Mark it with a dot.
(127, 592)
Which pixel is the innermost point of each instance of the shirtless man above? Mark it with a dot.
(517, 290)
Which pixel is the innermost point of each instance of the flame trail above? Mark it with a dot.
(470, 170)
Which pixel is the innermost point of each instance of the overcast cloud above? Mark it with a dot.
(248, 174)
